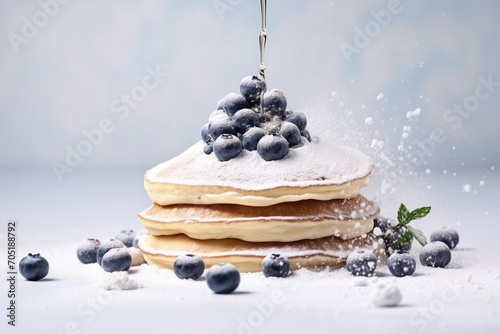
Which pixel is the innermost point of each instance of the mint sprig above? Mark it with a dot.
(405, 217)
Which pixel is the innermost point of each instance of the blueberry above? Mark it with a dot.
(401, 264)
(251, 88)
(251, 137)
(138, 236)
(435, 254)
(189, 266)
(234, 102)
(272, 147)
(218, 114)
(290, 132)
(116, 259)
(127, 237)
(382, 223)
(208, 148)
(275, 265)
(223, 278)
(305, 133)
(205, 134)
(34, 267)
(222, 126)
(227, 147)
(220, 104)
(106, 246)
(392, 241)
(87, 251)
(297, 118)
(275, 102)
(447, 235)
(244, 119)
(361, 263)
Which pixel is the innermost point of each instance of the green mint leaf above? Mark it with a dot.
(406, 236)
(403, 215)
(419, 235)
(420, 212)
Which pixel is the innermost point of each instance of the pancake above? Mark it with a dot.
(319, 170)
(308, 219)
(247, 256)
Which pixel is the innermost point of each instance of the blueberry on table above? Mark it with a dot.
(251, 137)
(116, 259)
(435, 254)
(290, 132)
(272, 147)
(227, 147)
(361, 263)
(33, 267)
(127, 237)
(275, 265)
(106, 246)
(447, 235)
(297, 118)
(401, 264)
(221, 126)
(275, 102)
(392, 240)
(223, 278)
(87, 251)
(189, 266)
(244, 119)
(251, 88)
(234, 102)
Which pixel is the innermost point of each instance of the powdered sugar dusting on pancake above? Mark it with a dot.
(314, 163)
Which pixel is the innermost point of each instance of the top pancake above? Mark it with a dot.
(318, 170)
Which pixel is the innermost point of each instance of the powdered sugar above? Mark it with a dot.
(120, 281)
(312, 164)
(387, 295)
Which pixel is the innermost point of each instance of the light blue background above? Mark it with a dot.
(63, 80)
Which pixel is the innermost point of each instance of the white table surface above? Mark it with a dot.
(53, 218)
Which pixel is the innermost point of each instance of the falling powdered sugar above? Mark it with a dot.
(413, 113)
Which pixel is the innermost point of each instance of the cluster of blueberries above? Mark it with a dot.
(436, 254)
(245, 122)
(114, 255)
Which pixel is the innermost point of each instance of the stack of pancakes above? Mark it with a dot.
(305, 206)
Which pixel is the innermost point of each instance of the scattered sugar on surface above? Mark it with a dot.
(466, 188)
(120, 281)
(369, 121)
(387, 295)
(380, 96)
